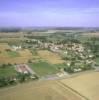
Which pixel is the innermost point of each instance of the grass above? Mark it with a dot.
(13, 54)
(43, 68)
(97, 60)
(7, 71)
(60, 66)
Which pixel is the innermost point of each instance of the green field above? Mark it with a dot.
(6, 71)
(43, 68)
(58, 66)
(13, 54)
(97, 60)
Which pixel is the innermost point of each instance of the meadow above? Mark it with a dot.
(43, 68)
(7, 71)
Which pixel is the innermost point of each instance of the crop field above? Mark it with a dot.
(25, 53)
(13, 57)
(91, 34)
(4, 46)
(50, 57)
(46, 90)
(86, 84)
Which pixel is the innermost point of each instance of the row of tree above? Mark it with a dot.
(13, 80)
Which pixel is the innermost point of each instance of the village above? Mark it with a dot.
(44, 57)
(35, 59)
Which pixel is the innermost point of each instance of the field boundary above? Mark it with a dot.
(74, 91)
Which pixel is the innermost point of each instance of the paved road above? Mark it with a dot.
(55, 77)
(52, 77)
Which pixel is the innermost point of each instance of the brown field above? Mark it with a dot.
(86, 84)
(91, 34)
(16, 60)
(46, 90)
(11, 34)
(4, 46)
(50, 57)
(25, 55)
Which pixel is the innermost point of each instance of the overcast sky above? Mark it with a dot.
(27, 13)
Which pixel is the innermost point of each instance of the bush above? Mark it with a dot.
(69, 69)
(29, 61)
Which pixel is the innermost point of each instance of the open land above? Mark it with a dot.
(13, 57)
(50, 57)
(86, 84)
(82, 87)
(39, 91)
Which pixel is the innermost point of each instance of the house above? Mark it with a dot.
(14, 48)
(25, 69)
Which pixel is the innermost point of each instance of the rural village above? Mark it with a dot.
(37, 57)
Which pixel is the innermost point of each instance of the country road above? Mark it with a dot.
(50, 77)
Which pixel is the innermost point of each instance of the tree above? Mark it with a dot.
(3, 82)
(21, 77)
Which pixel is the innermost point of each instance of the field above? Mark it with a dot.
(24, 55)
(86, 84)
(13, 54)
(50, 57)
(97, 60)
(4, 46)
(13, 57)
(43, 68)
(44, 62)
(7, 71)
(91, 34)
(82, 87)
(46, 90)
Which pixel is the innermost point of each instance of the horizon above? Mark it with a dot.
(49, 13)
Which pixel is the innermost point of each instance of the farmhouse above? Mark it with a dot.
(14, 48)
(25, 69)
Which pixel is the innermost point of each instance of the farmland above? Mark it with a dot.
(46, 90)
(73, 88)
(86, 84)
(13, 56)
(50, 57)
(49, 65)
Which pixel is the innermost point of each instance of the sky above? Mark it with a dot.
(61, 13)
